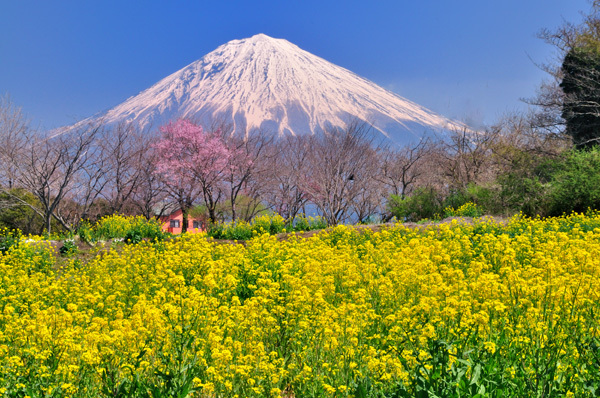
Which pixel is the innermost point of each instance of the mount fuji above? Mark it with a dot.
(271, 84)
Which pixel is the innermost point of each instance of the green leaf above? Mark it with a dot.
(476, 374)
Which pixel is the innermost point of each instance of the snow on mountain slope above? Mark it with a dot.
(268, 83)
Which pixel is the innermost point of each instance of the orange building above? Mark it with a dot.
(173, 223)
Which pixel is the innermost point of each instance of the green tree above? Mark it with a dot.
(424, 202)
(581, 88)
(570, 102)
(576, 183)
(526, 183)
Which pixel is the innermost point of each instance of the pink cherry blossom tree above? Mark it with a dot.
(192, 163)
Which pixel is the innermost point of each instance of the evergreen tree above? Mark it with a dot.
(581, 88)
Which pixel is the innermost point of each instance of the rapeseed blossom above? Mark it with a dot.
(457, 309)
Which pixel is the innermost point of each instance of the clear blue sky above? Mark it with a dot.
(65, 60)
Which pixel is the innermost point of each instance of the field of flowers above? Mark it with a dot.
(456, 310)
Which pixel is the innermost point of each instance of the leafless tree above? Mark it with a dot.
(287, 173)
(465, 156)
(337, 171)
(519, 135)
(86, 187)
(14, 129)
(52, 166)
(246, 169)
(123, 148)
(370, 197)
(150, 195)
(401, 168)
(212, 190)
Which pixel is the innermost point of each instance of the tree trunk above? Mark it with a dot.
(212, 216)
(184, 213)
(233, 210)
(48, 221)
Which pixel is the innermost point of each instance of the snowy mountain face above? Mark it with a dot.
(271, 84)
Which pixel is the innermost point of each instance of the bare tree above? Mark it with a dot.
(465, 156)
(51, 166)
(13, 134)
(14, 130)
(287, 174)
(401, 168)
(549, 98)
(123, 149)
(519, 135)
(337, 171)
(86, 187)
(150, 195)
(246, 168)
(370, 196)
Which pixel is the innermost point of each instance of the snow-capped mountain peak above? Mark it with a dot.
(271, 84)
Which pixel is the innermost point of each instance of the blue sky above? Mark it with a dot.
(467, 59)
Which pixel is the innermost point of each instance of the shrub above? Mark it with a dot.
(240, 230)
(457, 198)
(148, 229)
(216, 230)
(133, 236)
(19, 215)
(576, 185)
(29, 253)
(526, 186)
(68, 248)
(423, 203)
(485, 197)
(111, 227)
(85, 232)
(303, 223)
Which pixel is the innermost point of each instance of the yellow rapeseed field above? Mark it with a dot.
(455, 310)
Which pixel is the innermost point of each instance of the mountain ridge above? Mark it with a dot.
(266, 83)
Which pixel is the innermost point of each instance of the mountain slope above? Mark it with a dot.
(267, 83)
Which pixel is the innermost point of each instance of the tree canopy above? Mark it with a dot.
(581, 88)
(575, 95)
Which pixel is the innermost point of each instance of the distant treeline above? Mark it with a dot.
(54, 183)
